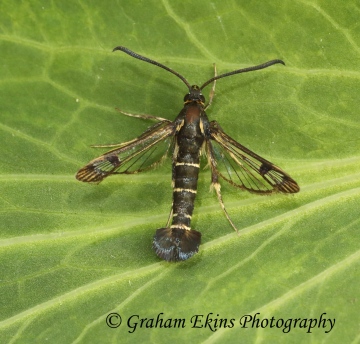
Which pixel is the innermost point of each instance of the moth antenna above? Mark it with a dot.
(143, 58)
(243, 70)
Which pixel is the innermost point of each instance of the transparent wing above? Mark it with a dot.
(134, 156)
(243, 168)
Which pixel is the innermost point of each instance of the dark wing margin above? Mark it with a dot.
(244, 169)
(142, 153)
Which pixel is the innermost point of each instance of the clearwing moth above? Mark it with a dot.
(186, 137)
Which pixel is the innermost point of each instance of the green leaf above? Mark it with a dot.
(72, 253)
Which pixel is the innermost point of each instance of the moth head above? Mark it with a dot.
(194, 95)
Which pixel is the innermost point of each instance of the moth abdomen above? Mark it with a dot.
(175, 243)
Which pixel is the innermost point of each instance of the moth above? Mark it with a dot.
(186, 137)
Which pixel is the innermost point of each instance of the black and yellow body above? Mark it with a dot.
(179, 241)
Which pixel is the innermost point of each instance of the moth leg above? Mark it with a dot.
(215, 182)
(212, 92)
(170, 216)
(143, 116)
(217, 187)
(172, 186)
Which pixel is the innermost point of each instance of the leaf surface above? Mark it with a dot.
(71, 253)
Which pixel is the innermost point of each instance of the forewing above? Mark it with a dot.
(134, 156)
(243, 168)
